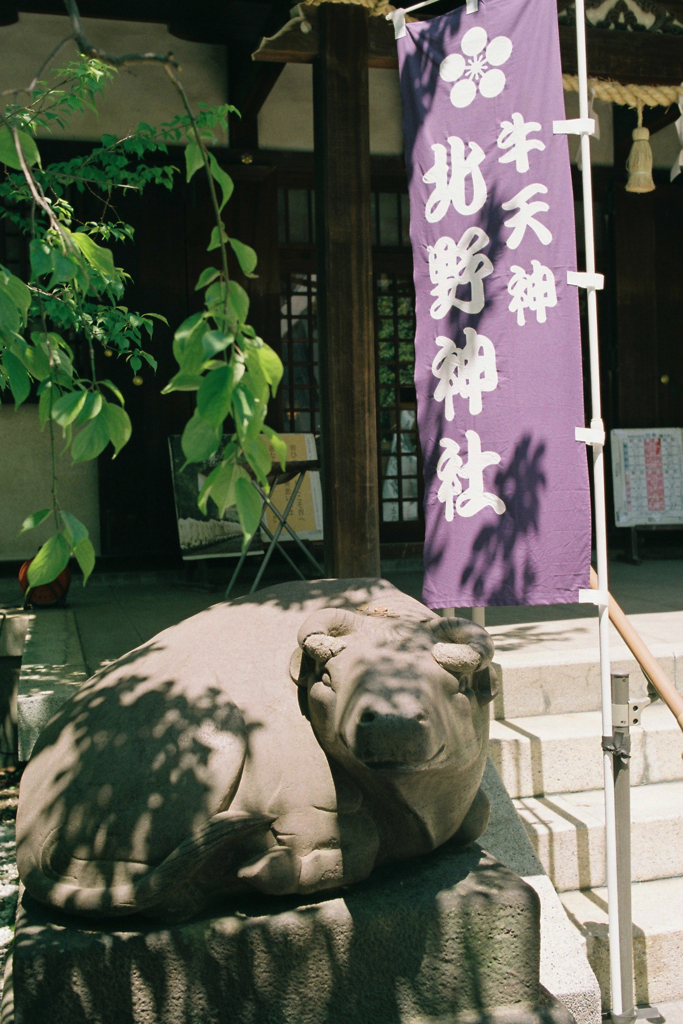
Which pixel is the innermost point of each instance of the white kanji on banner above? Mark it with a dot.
(466, 371)
(514, 138)
(456, 265)
(452, 188)
(451, 470)
(526, 216)
(534, 291)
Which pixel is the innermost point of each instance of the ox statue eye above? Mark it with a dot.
(325, 678)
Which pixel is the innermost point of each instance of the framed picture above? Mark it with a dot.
(203, 536)
(647, 472)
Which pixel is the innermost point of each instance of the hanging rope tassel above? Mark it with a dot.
(639, 163)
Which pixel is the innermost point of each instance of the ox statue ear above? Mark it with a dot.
(486, 684)
(315, 650)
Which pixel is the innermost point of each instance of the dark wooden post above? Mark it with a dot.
(345, 302)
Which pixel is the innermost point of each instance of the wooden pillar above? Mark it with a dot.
(345, 292)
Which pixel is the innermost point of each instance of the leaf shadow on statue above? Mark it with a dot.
(379, 975)
(503, 551)
(152, 737)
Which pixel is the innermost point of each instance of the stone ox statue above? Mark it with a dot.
(287, 742)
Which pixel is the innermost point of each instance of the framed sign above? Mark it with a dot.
(647, 472)
(203, 536)
(306, 515)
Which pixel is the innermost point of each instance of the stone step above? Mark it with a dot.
(657, 937)
(563, 753)
(52, 669)
(553, 667)
(567, 831)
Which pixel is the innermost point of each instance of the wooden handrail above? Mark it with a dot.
(648, 663)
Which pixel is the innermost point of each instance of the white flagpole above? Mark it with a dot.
(619, 1010)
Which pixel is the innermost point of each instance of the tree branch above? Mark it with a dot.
(95, 53)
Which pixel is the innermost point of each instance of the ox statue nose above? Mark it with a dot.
(383, 738)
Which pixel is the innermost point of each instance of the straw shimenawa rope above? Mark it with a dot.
(380, 8)
(627, 95)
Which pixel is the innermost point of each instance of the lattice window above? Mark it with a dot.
(400, 462)
(299, 352)
(400, 472)
(390, 220)
(296, 216)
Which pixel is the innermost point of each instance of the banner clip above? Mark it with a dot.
(398, 17)
(575, 126)
(472, 7)
(599, 597)
(584, 280)
(590, 435)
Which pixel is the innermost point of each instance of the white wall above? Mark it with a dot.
(25, 481)
(286, 119)
(140, 93)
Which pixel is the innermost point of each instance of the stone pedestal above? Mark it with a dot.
(452, 938)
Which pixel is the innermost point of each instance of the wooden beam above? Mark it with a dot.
(341, 117)
(634, 58)
(629, 57)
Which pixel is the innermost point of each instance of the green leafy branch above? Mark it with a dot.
(76, 288)
(220, 357)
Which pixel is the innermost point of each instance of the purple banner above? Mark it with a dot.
(497, 348)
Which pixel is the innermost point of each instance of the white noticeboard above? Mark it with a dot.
(647, 471)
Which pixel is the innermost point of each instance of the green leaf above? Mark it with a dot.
(223, 179)
(91, 440)
(183, 382)
(215, 295)
(248, 507)
(66, 409)
(220, 486)
(194, 160)
(215, 342)
(49, 562)
(238, 302)
(85, 556)
(255, 380)
(245, 410)
(217, 235)
(34, 520)
(8, 149)
(246, 256)
(114, 390)
(10, 317)
(18, 293)
(215, 395)
(278, 445)
(64, 268)
(98, 257)
(91, 408)
(74, 530)
(44, 403)
(257, 455)
(19, 380)
(118, 424)
(187, 343)
(41, 258)
(271, 365)
(200, 440)
(37, 360)
(206, 277)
